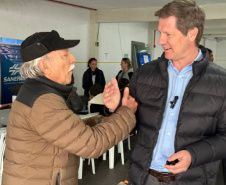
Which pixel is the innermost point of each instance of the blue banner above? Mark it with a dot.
(10, 41)
(10, 70)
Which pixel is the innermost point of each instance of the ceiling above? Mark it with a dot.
(116, 4)
(215, 29)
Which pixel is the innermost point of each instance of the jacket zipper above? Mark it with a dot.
(57, 179)
(191, 83)
(167, 81)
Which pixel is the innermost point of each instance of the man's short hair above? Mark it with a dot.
(210, 54)
(188, 14)
(95, 89)
(209, 50)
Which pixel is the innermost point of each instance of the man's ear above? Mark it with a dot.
(192, 33)
(43, 65)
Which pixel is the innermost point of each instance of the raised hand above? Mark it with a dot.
(111, 95)
(184, 158)
(129, 101)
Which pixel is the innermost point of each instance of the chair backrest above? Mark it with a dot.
(97, 108)
(2, 139)
(96, 100)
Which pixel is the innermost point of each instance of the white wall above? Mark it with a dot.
(158, 48)
(220, 58)
(219, 50)
(212, 44)
(115, 39)
(19, 19)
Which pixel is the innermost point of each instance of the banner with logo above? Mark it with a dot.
(10, 67)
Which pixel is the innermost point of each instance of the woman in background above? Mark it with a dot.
(91, 76)
(124, 75)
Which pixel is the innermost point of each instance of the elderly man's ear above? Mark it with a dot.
(44, 66)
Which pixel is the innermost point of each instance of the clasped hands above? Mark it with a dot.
(111, 97)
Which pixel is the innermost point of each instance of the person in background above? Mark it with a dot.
(95, 89)
(223, 160)
(91, 76)
(181, 117)
(210, 54)
(45, 138)
(95, 103)
(123, 77)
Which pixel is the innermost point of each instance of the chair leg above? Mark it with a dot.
(119, 149)
(129, 145)
(80, 168)
(2, 159)
(122, 151)
(104, 156)
(3, 135)
(111, 157)
(2, 138)
(93, 165)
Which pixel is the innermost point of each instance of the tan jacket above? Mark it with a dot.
(46, 139)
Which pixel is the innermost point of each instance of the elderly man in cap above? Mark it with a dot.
(44, 136)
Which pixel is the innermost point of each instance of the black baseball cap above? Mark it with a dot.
(41, 43)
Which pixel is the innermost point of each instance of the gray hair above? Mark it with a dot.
(31, 69)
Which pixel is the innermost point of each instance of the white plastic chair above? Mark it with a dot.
(2, 150)
(97, 100)
(80, 169)
(120, 150)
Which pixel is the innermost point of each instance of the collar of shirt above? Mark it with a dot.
(198, 58)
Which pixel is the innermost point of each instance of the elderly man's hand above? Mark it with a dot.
(111, 95)
(184, 158)
(129, 101)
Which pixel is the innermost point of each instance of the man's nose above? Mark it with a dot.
(162, 40)
(72, 58)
